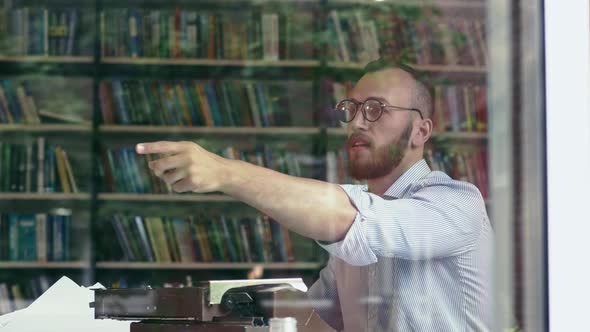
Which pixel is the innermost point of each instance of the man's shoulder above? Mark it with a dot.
(443, 180)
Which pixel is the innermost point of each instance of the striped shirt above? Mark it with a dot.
(417, 258)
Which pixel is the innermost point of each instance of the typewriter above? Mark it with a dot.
(226, 306)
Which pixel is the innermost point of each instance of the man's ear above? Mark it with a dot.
(423, 133)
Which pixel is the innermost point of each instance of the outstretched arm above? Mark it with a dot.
(312, 208)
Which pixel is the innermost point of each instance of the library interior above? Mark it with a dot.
(277, 165)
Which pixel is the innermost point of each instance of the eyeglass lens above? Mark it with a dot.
(346, 110)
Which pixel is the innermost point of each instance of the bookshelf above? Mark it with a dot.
(446, 69)
(211, 62)
(207, 266)
(45, 265)
(35, 202)
(233, 131)
(339, 133)
(316, 138)
(16, 59)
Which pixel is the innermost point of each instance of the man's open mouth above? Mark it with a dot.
(358, 142)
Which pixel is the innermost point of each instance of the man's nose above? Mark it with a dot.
(359, 121)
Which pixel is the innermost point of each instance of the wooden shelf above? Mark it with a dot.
(193, 69)
(205, 266)
(341, 132)
(165, 198)
(210, 62)
(239, 4)
(169, 204)
(468, 136)
(44, 265)
(45, 128)
(45, 196)
(429, 68)
(239, 137)
(45, 58)
(140, 129)
(42, 202)
(423, 3)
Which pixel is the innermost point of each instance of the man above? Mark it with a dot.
(410, 251)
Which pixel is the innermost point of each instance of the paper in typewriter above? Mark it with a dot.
(64, 307)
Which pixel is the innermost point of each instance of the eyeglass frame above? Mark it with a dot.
(381, 103)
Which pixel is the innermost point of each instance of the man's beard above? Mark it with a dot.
(382, 160)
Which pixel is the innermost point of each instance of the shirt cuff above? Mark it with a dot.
(354, 249)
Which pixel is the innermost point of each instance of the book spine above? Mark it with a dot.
(58, 238)
(27, 236)
(72, 29)
(41, 236)
(145, 242)
(61, 168)
(133, 34)
(13, 238)
(149, 224)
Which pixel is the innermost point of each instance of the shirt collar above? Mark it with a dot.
(415, 173)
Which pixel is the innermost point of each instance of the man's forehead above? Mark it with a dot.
(394, 86)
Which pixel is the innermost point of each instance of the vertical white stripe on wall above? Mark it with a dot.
(567, 46)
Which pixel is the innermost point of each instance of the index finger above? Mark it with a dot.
(159, 147)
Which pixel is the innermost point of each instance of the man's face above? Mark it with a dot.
(376, 148)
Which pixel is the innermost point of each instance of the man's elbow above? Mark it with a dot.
(338, 227)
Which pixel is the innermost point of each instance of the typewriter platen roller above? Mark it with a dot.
(237, 305)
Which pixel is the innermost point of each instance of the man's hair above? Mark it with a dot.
(421, 96)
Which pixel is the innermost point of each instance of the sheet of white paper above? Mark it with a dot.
(62, 308)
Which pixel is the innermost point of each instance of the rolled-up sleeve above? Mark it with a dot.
(441, 218)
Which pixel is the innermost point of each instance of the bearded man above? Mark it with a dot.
(409, 251)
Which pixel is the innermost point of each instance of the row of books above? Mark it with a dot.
(197, 103)
(17, 104)
(460, 108)
(362, 35)
(123, 170)
(469, 165)
(45, 31)
(457, 107)
(35, 167)
(35, 237)
(15, 296)
(352, 35)
(180, 33)
(202, 239)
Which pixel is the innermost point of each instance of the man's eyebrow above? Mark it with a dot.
(381, 99)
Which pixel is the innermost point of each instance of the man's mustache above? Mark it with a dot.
(355, 136)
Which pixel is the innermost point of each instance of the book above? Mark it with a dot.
(202, 238)
(223, 34)
(362, 35)
(34, 237)
(38, 30)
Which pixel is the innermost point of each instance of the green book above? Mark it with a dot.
(13, 230)
(6, 150)
(215, 237)
(164, 50)
(171, 239)
(234, 231)
(133, 237)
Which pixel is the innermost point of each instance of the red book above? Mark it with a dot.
(106, 103)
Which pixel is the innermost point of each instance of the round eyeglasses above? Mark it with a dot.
(371, 108)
